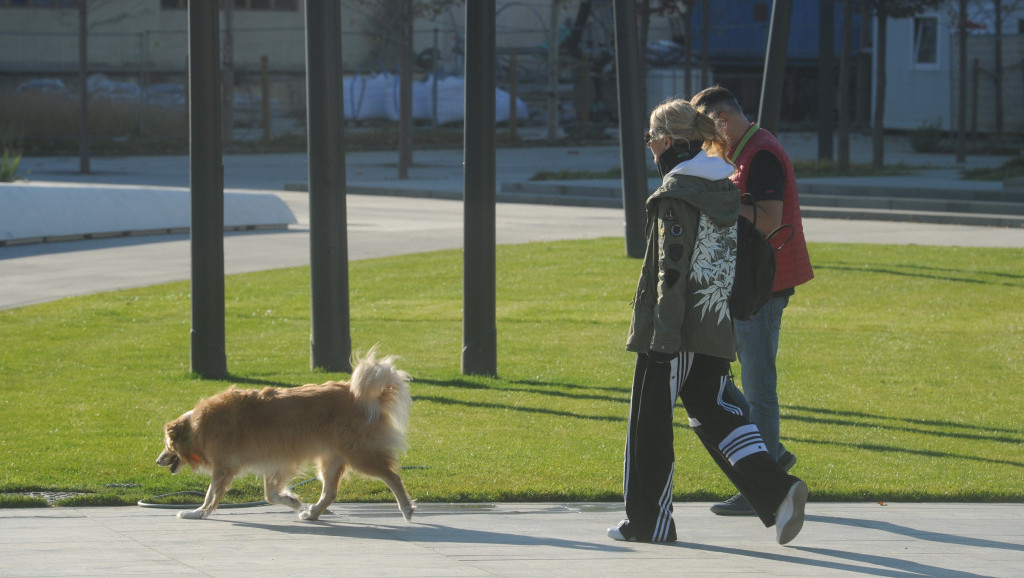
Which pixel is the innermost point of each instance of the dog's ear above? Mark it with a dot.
(180, 430)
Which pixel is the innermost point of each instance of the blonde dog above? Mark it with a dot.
(275, 431)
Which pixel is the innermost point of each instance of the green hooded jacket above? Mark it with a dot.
(682, 298)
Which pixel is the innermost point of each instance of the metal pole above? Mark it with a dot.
(631, 127)
(775, 66)
(206, 174)
(330, 339)
(479, 332)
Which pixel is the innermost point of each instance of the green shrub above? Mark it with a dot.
(47, 118)
(9, 167)
(927, 138)
(1012, 168)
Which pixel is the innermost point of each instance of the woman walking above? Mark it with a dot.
(682, 333)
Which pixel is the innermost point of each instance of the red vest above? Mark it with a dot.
(793, 263)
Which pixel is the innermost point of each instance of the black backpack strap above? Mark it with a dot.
(778, 230)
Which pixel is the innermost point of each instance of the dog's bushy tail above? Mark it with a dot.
(383, 390)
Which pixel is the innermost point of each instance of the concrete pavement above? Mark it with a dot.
(378, 227)
(382, 225)
(865, 539)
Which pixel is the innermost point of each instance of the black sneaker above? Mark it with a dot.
(734, 506)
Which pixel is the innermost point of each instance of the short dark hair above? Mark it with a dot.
(714, 100)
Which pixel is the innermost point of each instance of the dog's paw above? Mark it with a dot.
(408, 514)
(308, 515)
(192, 514)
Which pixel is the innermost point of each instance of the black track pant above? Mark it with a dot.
(715, 415)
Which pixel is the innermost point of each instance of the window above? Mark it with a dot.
(926, 39)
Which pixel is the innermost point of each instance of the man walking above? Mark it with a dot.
(765, 177)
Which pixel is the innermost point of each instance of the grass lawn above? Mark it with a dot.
(900, 372)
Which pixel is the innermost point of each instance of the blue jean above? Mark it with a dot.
(757, 341)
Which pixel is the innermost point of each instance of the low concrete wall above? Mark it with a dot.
(38, 212)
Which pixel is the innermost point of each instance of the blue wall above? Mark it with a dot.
(738, 31)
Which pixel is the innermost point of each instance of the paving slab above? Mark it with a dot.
(509, 539)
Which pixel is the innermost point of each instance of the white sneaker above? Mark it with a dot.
(789, 518)
(615, 532)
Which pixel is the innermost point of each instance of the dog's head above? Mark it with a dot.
(177, 437)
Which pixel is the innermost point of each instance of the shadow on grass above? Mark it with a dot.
(926, 272)
(904, 450)
(516, 408)
(538, 387)
(241, 380)
(860, 419)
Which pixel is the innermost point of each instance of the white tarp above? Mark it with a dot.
(375, 97)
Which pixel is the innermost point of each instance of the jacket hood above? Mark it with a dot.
(689, 182)
(703, 166)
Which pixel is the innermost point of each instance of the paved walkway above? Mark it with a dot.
(378, 227)
(381, 226)
(897, 540)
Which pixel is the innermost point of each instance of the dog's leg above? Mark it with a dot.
(394, 482)
(330, 474)
(384, 467)
(275, 492)
(219, 484)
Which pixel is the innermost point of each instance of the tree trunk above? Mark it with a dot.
(961, 133)
(705, 32)
(83, 90)
(826, 78)
(999, 68)
(688, 49)
(553, 71)
(643, 32)
(843, 99)
(878, 128)
(405, 121)
(228, 75)
(862, 113)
